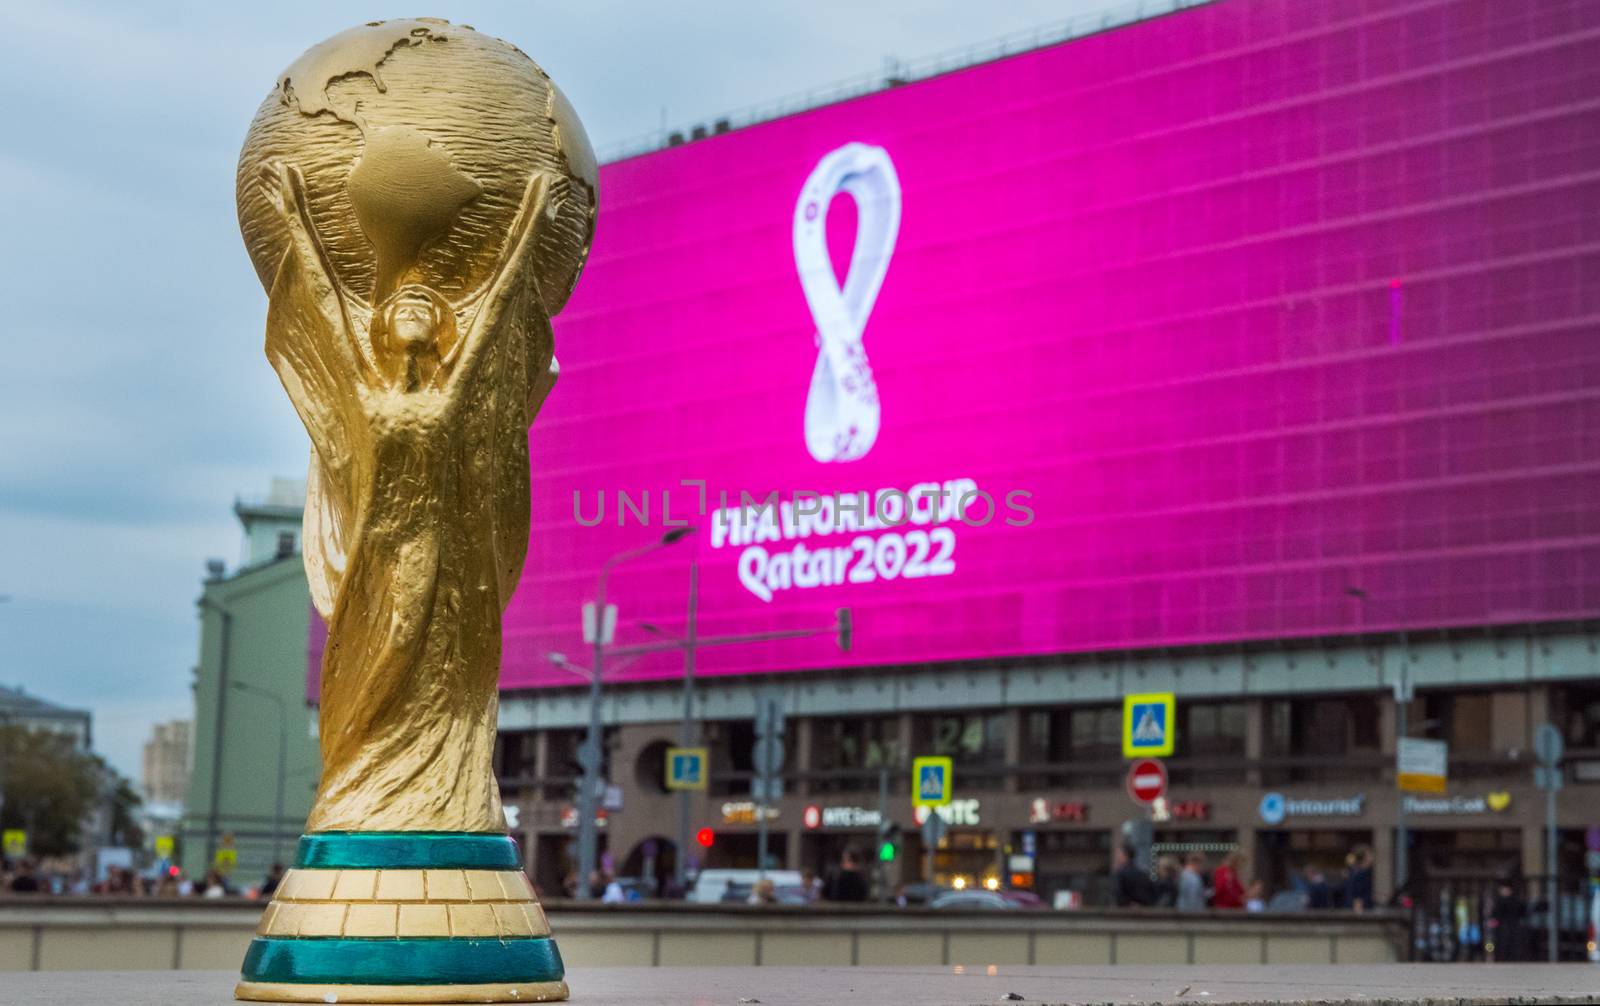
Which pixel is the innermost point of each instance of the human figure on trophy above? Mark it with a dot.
(417, 502)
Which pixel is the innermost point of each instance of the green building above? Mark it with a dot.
(255, 749)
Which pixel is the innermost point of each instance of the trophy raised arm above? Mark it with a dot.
(418, 199)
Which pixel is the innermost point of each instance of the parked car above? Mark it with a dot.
(975, 900)
(1023, 899)
(714, 887)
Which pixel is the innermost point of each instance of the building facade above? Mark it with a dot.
(1260, 307)
(1284, 753)
(166, 763)
(18, 708)
(249, 692)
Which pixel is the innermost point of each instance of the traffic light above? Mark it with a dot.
(888, 841)
(705, 836)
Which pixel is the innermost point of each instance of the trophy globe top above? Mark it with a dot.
(417, 140)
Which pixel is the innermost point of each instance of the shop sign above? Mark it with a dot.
(569, 817)
(1421, 765)
(1486, 803)
(1042, 811)
(959, 813)
(1275, 807)
(744, 812)
(842, 817)
(1190, 810)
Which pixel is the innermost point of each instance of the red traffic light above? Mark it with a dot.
(705, 837)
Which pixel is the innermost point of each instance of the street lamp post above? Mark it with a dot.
(686, 731)
(212, 815)
(1402, 705)
(843, 629)
(283, 761)
(588, 837)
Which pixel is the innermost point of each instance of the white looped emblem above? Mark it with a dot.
(842, 408)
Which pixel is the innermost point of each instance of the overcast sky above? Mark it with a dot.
(135, 402)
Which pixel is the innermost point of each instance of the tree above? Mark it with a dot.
(52, 789)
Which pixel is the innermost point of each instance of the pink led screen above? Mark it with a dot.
(1244, 306)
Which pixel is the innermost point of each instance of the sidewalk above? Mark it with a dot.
(1214, 985)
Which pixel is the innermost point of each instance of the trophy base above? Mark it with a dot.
(294, 992)
(403, 917)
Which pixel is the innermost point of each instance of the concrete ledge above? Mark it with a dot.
(93, 934)
(1256, 985)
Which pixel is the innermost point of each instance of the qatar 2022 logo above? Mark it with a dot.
(842, 408)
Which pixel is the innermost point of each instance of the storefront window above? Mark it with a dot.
(1323, 740)
(563, 768)
(1096, 740)
(971, 856)
(857, 747)
(514, 756)
(1074, 861)
(1211, 732)
(975, 741)
(1045, 735)
(1482, 853)
(1282, 857)
(1578, 713)
(1482, 728)
(1464, 719)
(732, 744)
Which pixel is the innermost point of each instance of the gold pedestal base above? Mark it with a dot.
(402, 935)
(285, 992)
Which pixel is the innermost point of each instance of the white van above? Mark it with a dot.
(713, 887)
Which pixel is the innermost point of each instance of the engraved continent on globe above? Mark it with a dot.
(416, 139)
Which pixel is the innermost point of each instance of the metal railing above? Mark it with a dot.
(1472, 918)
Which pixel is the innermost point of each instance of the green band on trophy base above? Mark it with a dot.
(403, 961)
(406, 850)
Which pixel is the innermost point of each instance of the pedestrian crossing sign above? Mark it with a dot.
(932, 780)
(1149, 729)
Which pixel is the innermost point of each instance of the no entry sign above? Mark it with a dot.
(1147, 780)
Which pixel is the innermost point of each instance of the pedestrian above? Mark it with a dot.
(810, 884)
(1192, 884)
(27, 880)
(1130, 886)
(1508, 921)
(849, 882)
(215, 886)
(1318, 894)
(1228, 889)
(270, 883)
(1166, 882)
(1255, 896)
(1358, 878)
(765, 892)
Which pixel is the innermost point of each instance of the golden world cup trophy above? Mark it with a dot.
(418, 199)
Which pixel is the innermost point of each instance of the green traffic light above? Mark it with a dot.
(886, 852)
